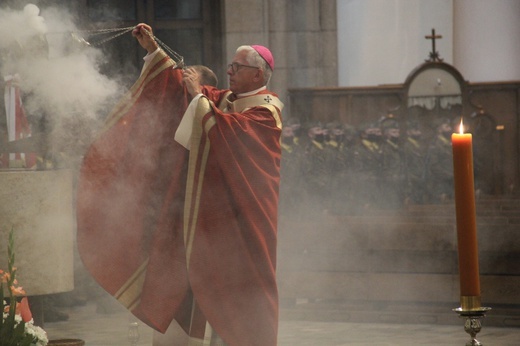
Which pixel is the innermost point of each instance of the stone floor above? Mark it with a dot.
(111, 329)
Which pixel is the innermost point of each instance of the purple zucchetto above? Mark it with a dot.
(265, 53)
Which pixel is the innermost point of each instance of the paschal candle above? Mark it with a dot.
(466, 213)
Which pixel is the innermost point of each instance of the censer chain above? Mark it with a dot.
(179, 59)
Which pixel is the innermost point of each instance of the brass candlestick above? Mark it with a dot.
(472, 312)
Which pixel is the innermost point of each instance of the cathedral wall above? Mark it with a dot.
(301, 35)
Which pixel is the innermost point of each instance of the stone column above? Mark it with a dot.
(486, 36)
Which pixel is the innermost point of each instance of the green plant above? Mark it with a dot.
(16, 325)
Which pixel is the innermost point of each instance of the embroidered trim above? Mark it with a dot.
(130, 293)
(196, 171)
(136, 90)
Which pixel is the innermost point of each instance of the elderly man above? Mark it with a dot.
(189, 234)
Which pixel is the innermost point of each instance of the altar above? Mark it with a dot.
(38, 207)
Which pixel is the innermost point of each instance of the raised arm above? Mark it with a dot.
(144, 34)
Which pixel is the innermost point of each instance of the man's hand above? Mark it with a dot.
(144, 34)
(191, 79)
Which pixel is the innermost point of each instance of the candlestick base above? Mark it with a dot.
(472, 324)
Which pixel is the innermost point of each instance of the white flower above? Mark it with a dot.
(31, 329)
(37, 332)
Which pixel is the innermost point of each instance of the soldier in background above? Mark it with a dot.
(340, 162)
(346, 176)
(368, 165)
(315, 170)
(414, 155)
(440, 163)
(392, 182)
(290, 173)
(297, 130)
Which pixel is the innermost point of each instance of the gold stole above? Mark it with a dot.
(268, 101)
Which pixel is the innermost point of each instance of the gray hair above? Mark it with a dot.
(255, 59)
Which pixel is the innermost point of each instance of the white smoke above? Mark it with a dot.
(58, 72)
(21, 25)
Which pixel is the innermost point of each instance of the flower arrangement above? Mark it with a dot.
(17, 325)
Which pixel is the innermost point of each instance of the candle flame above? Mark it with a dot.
(461, 127)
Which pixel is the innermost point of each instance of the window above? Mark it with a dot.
(111, 10)
(189, 27)
(171, 10)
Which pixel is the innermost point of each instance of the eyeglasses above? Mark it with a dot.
(236, 66)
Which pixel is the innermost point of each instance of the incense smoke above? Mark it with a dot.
(59, 74)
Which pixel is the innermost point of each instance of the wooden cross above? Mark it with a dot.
(434, 56)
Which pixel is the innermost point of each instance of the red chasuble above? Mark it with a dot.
(161, 227)
(130, 199)
(231, 220)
